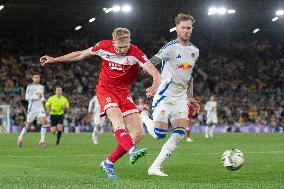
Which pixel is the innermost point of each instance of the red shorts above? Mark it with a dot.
(113, 97)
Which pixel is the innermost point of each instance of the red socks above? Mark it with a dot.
(116, 154)
(124, 139)
(187, 132)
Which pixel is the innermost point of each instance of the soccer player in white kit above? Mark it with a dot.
(178, 58)
(35, 96)
(211, 116)
(94, 107)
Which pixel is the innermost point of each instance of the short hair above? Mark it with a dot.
(121, 35)
(36, 73)
(183, 17)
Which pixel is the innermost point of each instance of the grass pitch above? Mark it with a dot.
(75, 163)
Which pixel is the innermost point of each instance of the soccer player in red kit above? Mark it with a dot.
(120, 66)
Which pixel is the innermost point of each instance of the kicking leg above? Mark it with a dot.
(23, 131)
(169, 147)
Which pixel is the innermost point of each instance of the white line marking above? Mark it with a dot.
(94, 155)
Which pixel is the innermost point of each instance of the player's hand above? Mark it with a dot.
(151, 91)
(38, 94)
(46, 60)
(195, 105)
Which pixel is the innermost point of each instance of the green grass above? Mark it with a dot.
(75, 163)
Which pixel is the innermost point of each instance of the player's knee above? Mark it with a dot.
(138, 135)
(180, 131)
(160, 133)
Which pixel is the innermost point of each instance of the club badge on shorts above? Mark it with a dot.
(108, 99)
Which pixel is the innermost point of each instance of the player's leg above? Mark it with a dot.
(135, 129)
(187, 133)
(44, 126)
(53, 124)
(96, 131)
(59, 130)
(23, 131)
(211, 130)
(214, 122)
(30, 118)
(157, 127)
(95, 134)
(169, 147)
(208, 125)
(122, 136)
(178, 115)
(125, 142)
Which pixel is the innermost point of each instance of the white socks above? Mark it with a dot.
(24, 130)
(211, 131)
(167, 149)
(150, 124)
(95, 135)
(42, 133)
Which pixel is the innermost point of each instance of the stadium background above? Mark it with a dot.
(241, 68)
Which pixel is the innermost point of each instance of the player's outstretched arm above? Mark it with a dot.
(71, 57)
(150, 68)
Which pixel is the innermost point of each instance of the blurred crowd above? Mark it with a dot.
(246, 77)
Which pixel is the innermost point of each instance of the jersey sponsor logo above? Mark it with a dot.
(115, 66)
(185, 66)
(178, 56)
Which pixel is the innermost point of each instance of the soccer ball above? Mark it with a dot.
(233, 159)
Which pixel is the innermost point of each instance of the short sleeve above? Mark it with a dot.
(66, 102)
(97, 47)
(48, 103)
(164, 53)
(140, 57)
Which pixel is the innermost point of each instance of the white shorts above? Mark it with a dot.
(212, 119)
(166, 110)
(35, 114)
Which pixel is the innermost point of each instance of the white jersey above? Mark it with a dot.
(35, 102)
(94, 105)
(171, 99)
(177, 64)
(211, 108)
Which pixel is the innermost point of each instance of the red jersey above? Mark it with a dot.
(118, 70)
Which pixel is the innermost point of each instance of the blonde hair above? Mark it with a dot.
(183, 17)
(121, 35)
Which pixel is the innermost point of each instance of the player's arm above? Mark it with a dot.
(71, 57)
(162, 55)
(207, 107)
(150, 69)
(42, 95)
(65, 105)
(90, 105)
(155, 60)
(29, 95)
(193, 102)
(48, 105)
